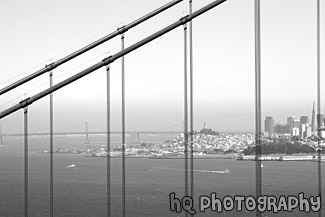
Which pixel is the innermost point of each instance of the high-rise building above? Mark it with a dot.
(302, 130)
(290, 120)
(308, 131)
(295, 131)
(304, 120)
(269, 126)
(296, 123)
(305, 130)
(282, 129)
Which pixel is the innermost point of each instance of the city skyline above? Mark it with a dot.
(295, 126)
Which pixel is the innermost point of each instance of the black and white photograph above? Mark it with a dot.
(159, 108)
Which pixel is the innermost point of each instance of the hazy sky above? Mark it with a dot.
(35, 31)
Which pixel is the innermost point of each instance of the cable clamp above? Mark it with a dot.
(121, 30)
(107, 60)
(184, 19)
(24, 103)
(50, 66)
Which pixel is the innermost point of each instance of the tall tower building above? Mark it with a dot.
(313, 128)
(269, 126)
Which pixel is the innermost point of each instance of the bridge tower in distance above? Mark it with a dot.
(135, 138)
(86, 133)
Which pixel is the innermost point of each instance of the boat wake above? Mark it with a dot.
(198, 171)
(212, 171)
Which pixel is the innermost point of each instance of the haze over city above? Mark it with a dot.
(37, 32)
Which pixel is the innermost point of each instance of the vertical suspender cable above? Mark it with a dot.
(108, 147)
(123, 129)
(319, 121)
(26, 159)
(258, 102)
(51, 146)
(191, 105)
(185, 113)
(1, 135)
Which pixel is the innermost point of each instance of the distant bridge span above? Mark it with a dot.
(92, 133)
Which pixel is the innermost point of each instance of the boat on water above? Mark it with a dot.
(226, 171)
(222, 171)
(69, 166)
